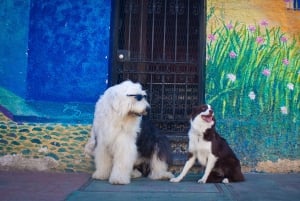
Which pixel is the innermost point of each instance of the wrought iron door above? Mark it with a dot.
(161, 44)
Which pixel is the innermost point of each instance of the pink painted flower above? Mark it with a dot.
(211, 37)
(251, 28)
(231, 77)
(229, 26)
(232, 55)
(289, 4)
(284, 110)
(260, 40)
(264, 23)
(285, 61)
(283, 39)
(266, 72)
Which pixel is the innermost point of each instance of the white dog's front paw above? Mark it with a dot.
(202, 181)
(175, 180)
(100, 175)
(119, 180)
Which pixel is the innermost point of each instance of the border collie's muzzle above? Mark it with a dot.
(208, 115)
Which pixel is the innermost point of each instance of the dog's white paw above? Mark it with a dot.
(160, 175)
(202, 181)
(225, 181)
(136, 174)
(168, 175)
(99, 175)
(119, 181)
(175, 180)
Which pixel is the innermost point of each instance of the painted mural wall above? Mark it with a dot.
(13, 48)
(54, 50)
(253, 79)
(68, 50)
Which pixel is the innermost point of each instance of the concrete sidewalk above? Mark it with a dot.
(39, 186)
(42, 186)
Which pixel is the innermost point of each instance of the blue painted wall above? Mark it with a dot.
(68, 49)
(14, 24)
(55, 50)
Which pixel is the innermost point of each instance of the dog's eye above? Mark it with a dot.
(203, 107)
(138, 97)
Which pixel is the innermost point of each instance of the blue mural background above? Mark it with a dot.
(14, 26)
(68, 49)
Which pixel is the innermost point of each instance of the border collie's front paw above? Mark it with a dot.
(202, 181)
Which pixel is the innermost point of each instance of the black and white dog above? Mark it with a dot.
(211, 150)
(155, 154)
(121, 139)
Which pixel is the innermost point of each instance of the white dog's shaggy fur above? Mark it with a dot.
(113, 140)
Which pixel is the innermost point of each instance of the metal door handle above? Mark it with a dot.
(123, 55)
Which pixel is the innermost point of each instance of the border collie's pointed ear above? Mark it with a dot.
(194, 112)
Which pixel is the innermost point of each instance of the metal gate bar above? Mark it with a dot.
(159, 40)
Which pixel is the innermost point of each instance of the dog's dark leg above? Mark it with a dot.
(215, 177)
(186, 168)
(231, 169)
(236, 175)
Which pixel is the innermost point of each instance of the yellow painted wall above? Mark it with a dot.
(254, 11)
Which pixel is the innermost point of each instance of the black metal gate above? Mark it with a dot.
(161, 44)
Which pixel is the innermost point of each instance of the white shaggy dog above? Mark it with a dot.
(116, 128)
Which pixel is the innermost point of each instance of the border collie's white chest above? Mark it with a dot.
(199, 147)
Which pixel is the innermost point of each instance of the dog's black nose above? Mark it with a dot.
(211, 111)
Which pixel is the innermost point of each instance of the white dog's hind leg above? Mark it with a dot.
(185, 170)
(135, 173)
(159, 169)
(90, 146)
(125, 155)
(103, 163)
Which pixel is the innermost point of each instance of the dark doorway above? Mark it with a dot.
(161, 44)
